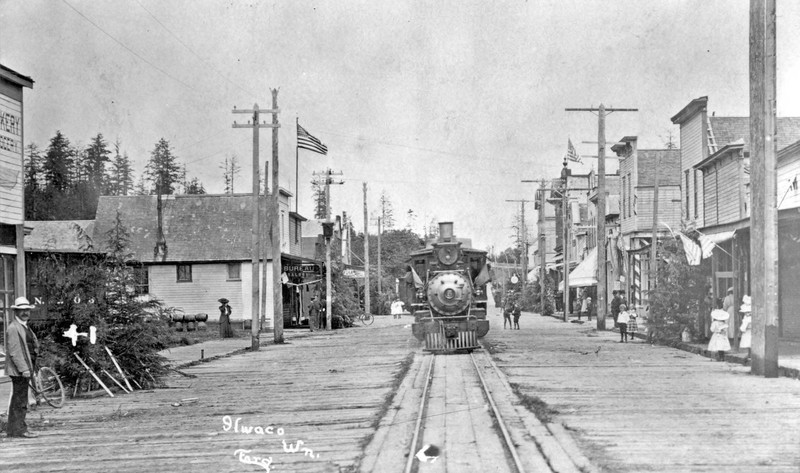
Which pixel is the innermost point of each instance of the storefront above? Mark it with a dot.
(12, 192)
(302, 281)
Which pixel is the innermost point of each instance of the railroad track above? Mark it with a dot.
(460, 421)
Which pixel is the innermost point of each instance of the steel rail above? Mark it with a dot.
(420, 416)
(509, 443)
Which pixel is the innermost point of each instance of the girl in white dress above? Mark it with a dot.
(719, 329)
(747, 337)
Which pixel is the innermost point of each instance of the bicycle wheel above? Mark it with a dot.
(367, 319)
(50, 386)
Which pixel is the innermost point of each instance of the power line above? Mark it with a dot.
(211, 66)
(137, 55)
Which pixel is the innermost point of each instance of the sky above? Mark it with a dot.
(444, 107)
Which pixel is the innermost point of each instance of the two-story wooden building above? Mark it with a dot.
(638, 169)
(716, 199)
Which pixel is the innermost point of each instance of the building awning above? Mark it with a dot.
(533, 275)
(585, 273)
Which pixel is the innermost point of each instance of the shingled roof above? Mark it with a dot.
(668, 169)
(727, 130)
(60, 236)
(197, 228)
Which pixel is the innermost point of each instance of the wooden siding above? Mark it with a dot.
(209, 283)
(669, 211)
(11, 172)
(728, 190)
(788, 173)
(692, 152)
(710, 209)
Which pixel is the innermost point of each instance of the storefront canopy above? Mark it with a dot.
(585, 273)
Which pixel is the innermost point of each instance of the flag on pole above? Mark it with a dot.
(306, 141)
(572, 155)
(706, 245)
(747, 169)
(692, 250)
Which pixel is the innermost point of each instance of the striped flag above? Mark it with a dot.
(747, 168)
(572, 155)
(706, 245)
(307, 141)
(692, 250)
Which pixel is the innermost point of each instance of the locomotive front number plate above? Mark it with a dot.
(450, 331)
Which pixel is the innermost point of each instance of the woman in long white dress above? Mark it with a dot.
(719, 329)
(747, 337)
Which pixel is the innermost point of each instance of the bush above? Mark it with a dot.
(679, 292)
(98, 294)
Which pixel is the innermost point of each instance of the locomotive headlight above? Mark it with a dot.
(478, 292)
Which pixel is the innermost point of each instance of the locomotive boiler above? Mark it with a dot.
(446, 291)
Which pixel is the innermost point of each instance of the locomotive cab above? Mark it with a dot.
(447, 283)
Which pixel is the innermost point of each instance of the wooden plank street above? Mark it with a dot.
(610, 406)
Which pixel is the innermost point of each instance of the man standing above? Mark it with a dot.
(314, 310)
(20, 367)
(615, 303)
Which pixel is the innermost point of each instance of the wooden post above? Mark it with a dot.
(254, 232)
(379, 281)
(265, 209)
(763, 182)
(654, 242)
(565, 230)
(367, 307)
(542, 248)
(277, 284)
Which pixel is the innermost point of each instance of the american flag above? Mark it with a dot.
(747, 168)
(572, 155)
(706, 245)
(692, 250)
(306, 141)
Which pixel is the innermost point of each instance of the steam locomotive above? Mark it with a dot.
(446, 291)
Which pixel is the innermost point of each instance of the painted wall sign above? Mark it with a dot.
(11, 150)
(302, 269)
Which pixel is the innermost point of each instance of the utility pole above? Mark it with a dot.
(601, 205)
(654, 244)
(541, 237)
(763, 181)
(524, 239)
(565, 244)
(367, 307)
(379, 257)
(328, 239)
(277, 263)
(256, 124)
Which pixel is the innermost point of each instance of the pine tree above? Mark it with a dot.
(121, 176)
(320, 199)
(33, 179)
(231, 168)
(163, 170)
(96, 157)
(195, 187)
(58, 162)
(387, 212)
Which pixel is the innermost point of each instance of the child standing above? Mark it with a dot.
(746, 340)
(633, 327)
(517, 313)
(622, 323)
(719, 330)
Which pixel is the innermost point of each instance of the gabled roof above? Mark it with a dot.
(197, 228)
(688, 111)
(61, 236)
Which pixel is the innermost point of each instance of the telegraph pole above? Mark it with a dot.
(379, 256)
(601, 205)
(541, 240)
(256, 124)
(328, 273)
(654, 243)
(565, 244)
(524, 232)
(367, 307)
(277, 264)
(763, 179)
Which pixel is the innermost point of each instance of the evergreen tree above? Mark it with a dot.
(163, 170)
(121, 176)
(34, 177)
(320, 199)
(195, 187)
(230, 169)
(58, 162)
(387, 212)
(97, 155)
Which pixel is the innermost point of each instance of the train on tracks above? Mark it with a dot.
(446, 291)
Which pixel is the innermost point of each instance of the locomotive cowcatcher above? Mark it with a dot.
(446, 291)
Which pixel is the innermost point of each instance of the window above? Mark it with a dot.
(686, 191)
(624, 196)
(630, 195)
(184, 273)
(696, 205)
(141, 278)
(297, 231)
(234, 271)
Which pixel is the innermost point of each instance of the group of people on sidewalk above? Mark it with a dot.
(720, 328)
(624, 320)
(511, 308)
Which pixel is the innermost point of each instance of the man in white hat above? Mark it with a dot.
(20, 366)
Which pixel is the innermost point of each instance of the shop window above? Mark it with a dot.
(184, 273)
(234, 271)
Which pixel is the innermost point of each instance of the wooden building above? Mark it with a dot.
(207, 250)
(716, 198)
(638, 169)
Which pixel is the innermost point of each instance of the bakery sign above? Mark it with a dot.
(294, 270)
(11, 187)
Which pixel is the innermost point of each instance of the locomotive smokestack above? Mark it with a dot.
(445, 231)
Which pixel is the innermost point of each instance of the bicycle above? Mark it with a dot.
(47, 385)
